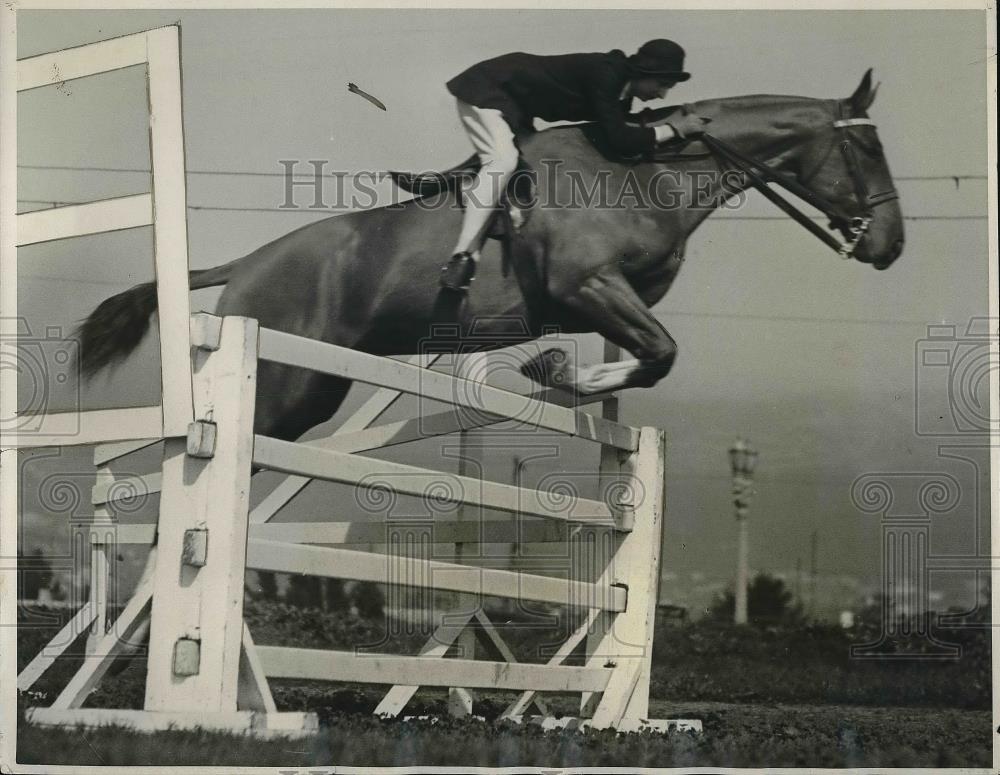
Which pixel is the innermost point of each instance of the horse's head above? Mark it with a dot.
(846, 166)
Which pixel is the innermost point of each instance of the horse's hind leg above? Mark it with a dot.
(608, 304)
(290, 400)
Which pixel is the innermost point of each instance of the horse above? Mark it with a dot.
(368, 280)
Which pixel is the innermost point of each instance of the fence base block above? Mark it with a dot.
(252, 723)
(625, 725)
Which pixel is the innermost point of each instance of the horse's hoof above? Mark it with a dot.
(552, 368)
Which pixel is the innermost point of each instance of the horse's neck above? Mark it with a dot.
(772, 129)
(768, 127)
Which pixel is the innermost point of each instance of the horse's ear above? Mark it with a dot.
(864, 95)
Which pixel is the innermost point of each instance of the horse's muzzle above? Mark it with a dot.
(895, 251)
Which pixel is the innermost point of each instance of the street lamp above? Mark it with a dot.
(743, 461)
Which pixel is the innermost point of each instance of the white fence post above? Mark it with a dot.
(626, 645)
(170, 246)
(197, 619)
(473, 367)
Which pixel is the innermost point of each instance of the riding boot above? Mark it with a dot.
(459, 272)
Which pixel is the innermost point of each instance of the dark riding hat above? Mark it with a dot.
(659, 58)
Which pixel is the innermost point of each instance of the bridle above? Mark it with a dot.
(855, 223)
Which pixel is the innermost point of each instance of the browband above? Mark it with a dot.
(853, 122)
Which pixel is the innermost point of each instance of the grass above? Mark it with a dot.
(800, 700)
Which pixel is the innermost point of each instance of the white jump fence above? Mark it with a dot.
(204, 669)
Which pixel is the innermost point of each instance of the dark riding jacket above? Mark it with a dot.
(568, 87)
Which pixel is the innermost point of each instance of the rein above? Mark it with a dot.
(760, 173)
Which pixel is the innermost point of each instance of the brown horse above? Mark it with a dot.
(369, 280)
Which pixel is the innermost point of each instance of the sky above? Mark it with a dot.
(817, 361)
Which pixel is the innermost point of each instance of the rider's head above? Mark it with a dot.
(656, 68)
(648, 87)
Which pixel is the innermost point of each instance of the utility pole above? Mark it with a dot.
(743, 461)
(812, 576)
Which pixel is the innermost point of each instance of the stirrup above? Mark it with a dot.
(459, 272)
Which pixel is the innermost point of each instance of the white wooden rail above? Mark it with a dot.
(164, 208)
(333, 562)
(286, 662)
(203, 662)
(409, 480)
(327, 358)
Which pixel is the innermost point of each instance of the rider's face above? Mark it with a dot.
(649, 88)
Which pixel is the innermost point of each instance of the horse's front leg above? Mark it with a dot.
(609, 304)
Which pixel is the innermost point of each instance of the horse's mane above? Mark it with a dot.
(728, 112)
(764, 103)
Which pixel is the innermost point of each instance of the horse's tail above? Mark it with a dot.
(116, 327)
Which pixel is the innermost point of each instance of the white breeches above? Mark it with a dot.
(493, 140)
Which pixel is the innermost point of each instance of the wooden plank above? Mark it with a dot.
(500, 645)
(629, 642)
(521, 704)
(382, 399)
(67, 429)
(109, 647)
(253, 723)
(106, 215)
(108, 453)
(108, 489)
(44, 659)
(170, 240)
(254, 692)
(365, 415)
(315, 664)
(340, 361)
(365, 566)
(616, 695)
(336, 466)
(436, 646)
(593, 550)
(656, 725)
(473, 367)
(348, 439)
(443, 535)
(99, 576)
(100, 568)
(205, 604)
(444, 531)
(81, 61)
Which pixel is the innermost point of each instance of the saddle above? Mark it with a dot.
(515, 203)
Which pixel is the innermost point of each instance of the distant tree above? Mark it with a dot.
(57, 590)
(267, 585)
(334, 597)
(36, 574)
(304, 591)
(368, 598)
(769, 601)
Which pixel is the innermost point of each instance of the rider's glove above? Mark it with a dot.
(690, 125)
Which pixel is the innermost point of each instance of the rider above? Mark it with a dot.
(499, 96)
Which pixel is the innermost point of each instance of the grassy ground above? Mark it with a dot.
(802, 702)
(735, 735)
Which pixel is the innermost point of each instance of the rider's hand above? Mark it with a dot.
(690, 125)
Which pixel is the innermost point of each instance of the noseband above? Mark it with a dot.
(855, 224)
